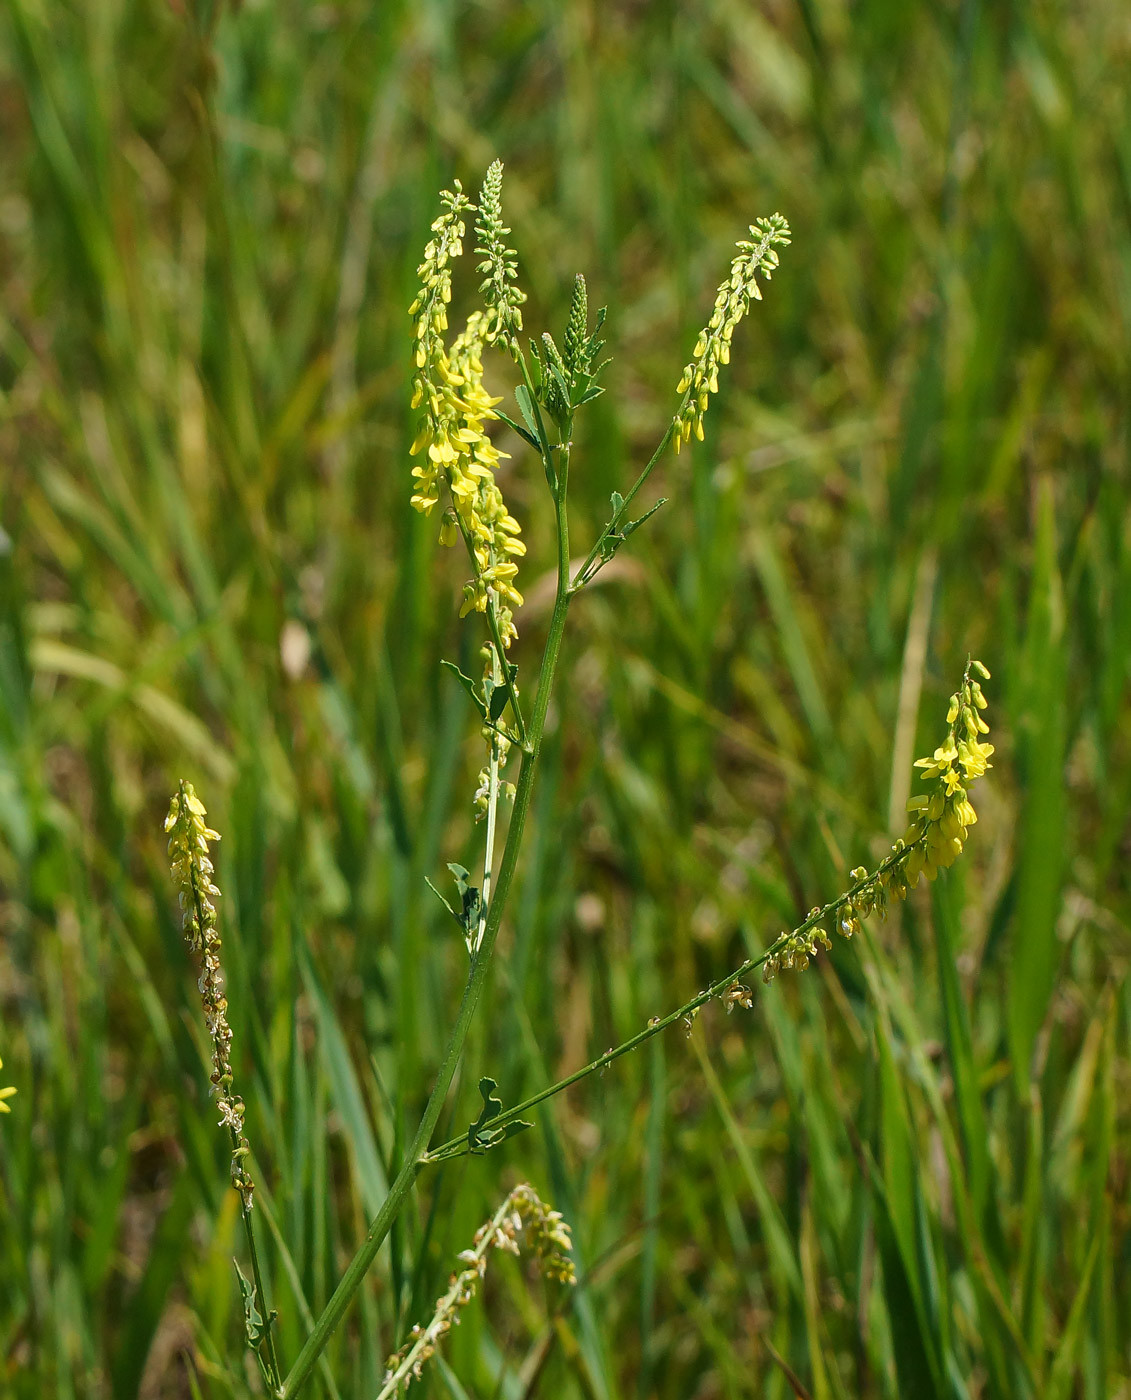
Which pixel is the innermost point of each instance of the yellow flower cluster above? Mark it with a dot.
(5, 1094)
(942, 816)
(701, 377)
(192, 871)
(457, 451)
(933, 841)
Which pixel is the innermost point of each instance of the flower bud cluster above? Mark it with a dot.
(500, 264)
(481, 798)
(192, 871)
(431, 305)
(701, 377)
(523, 1221)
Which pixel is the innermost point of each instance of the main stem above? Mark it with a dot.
(481, 962)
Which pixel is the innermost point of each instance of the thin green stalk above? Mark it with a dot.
(445, 1305)
(274, 1369)
(457, 1146)
(587, 572)
(507, 678)
(270, 1363)
(543, 441)
(492, 813)
(477, 976)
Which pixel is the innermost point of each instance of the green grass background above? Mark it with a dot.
(905, 1173)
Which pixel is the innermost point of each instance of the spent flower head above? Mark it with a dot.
(756, 257)
(192, 870)
(522, 1221)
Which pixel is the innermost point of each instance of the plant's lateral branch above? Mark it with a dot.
(457, 1147)
(588, 572)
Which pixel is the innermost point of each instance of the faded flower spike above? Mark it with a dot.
(189, 838)
(522, 1220)
(5, 1095)
(701, 377)
(192, 870)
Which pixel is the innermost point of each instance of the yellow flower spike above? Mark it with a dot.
(459, 453)
(945, 813)
(712, 348)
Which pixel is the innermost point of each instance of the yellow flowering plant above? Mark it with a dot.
(455, 473)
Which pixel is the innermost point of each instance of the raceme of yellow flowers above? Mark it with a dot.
(448, 386)
(940, 819)
(701, 377)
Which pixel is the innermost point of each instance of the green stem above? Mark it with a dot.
(239, 1151)
(508, 681)
(477, 976)
(257, 1279)
(587, 572)
(492, 815)
(457, 1146)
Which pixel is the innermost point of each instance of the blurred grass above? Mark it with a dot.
(905, 1173)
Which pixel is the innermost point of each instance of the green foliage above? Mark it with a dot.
(904, 1175)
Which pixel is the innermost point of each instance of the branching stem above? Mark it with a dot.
(481, 960)
(456, 1147)
(593, 563)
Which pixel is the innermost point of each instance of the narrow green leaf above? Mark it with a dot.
(518, 428)
(469, 686)
(526, 407)
(636, 524)
(346, 1091)
(1042, 730)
